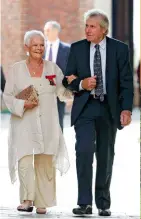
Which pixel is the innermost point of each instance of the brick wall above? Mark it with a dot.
(19, 16)
(11, 47)
(84, 5)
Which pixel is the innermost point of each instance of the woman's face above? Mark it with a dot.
(36, 47)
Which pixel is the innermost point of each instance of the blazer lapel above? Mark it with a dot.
(59, 54)
(108, 60)
(87, 58)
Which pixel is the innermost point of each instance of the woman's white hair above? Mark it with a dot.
(98, 13)
(30, 34)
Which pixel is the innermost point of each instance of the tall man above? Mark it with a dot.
(57, 52)
(99, 74)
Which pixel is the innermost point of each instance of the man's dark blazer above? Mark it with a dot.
(119, 77)
(62, 56)
(2, 79)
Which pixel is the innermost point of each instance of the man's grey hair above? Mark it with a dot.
(31, 34)
(98, 13)
(53, 24)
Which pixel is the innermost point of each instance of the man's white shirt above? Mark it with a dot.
(55, 47)
(102, 48)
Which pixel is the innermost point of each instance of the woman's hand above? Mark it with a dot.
(70, 78)
(30, 104)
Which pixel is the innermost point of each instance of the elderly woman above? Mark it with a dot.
(36, 144)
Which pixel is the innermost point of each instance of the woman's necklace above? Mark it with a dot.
(34, 68)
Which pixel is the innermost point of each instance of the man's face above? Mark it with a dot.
(51, 33)
(36, 47)
(94, 32)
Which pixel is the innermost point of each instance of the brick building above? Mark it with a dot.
(19, 16)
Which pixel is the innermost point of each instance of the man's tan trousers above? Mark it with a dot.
(37, 180)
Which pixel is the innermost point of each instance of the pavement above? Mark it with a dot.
(125, 185)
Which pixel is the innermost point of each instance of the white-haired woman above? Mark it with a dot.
(36, 144)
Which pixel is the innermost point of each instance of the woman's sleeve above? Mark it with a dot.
(62, 93)
(14, 105)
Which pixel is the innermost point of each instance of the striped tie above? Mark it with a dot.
(98, 73)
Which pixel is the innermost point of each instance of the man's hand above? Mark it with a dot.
(30, 104)
(125, 117)
(71, 78)
(89, 83)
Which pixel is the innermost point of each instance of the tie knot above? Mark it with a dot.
(97, 46)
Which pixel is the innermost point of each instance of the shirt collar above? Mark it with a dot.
(55, 43)
(102, 44)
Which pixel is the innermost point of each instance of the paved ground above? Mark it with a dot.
(8, 213)
(125, 187)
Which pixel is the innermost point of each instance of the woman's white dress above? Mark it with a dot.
(35, 131)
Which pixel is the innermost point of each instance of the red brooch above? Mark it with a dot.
(50, 78)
